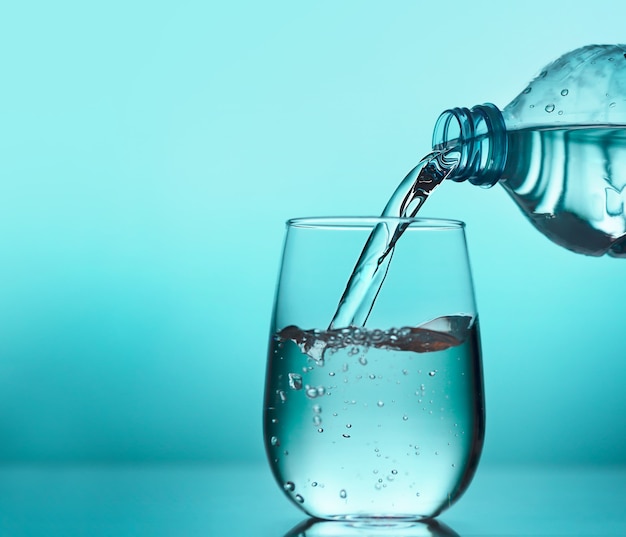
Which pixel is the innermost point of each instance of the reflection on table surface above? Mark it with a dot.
(378, 528)
(242, 500)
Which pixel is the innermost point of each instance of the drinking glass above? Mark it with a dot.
(382, 419)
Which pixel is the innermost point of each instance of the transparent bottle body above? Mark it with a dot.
(558, 149)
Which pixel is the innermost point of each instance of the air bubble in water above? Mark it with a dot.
(612, 105)
(317, 420)
(549, 108)
(564, 92)
(343, 493)
(405, 417)
(317, 409)
(274, 441)
(432, 373)
(299, 498)
(345, 435)
(289, 486)
(348, 425)
(380, 403)
(527, 90)
(295, 381)
(363, 360)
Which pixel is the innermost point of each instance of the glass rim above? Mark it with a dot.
(367, 222)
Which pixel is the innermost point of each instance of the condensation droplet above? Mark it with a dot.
(343, 493)
(564, 92)
(289, 486)
(549, 108)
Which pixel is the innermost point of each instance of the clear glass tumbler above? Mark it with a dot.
(385, 419)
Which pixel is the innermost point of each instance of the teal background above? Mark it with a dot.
(150, 153)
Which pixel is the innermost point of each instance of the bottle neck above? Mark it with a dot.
(476, 139)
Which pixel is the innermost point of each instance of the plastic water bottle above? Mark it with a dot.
(558, 149)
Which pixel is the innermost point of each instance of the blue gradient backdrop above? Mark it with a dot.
(149, 155)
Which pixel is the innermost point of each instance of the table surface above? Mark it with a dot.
(201, 499)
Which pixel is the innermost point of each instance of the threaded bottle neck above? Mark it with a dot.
(477, 139)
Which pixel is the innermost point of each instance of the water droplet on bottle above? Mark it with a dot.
(299, 498)
(380, 403)
(549, 108)
(432, 373)
(274, 441)
(343, 493)
(564, 92)
(289, 486)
